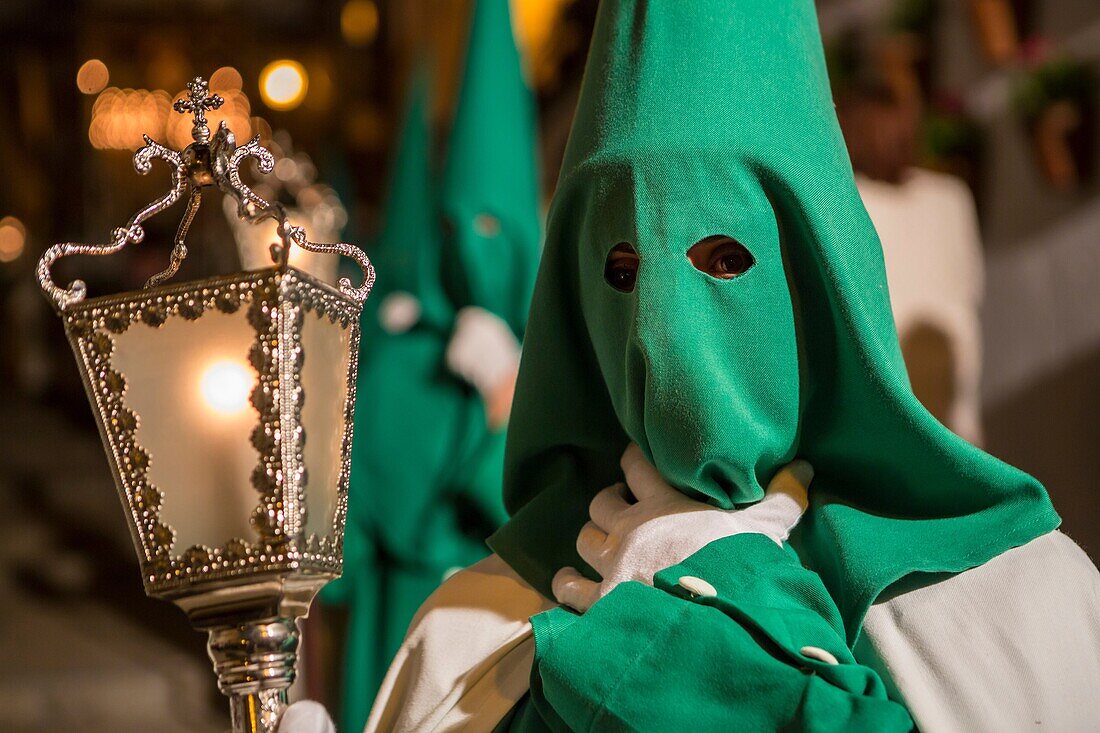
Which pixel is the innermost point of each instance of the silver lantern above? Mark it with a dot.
(225, 406)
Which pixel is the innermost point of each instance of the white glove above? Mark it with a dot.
(483, 350)
(306, 716)
(399, 312)
(626, 541)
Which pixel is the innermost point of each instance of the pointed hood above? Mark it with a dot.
(407, 252)
(489, 191)
(714, 117)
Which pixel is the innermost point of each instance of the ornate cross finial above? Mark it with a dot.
(197, 103)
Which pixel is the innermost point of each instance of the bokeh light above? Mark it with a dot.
(321, 89)
(13, 238)
(226, 79)
(541, 35)
(225, 386)
(359, 22)
(364, 127)
(283, 84)
(121, 116)
(92, 77)
(261, 127)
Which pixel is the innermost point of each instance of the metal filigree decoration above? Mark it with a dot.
(205, 162)
(197, 102)
(132, 233)
(277, 303)
(250, 206)
(297, 235)
(179, 249)
(272, 704)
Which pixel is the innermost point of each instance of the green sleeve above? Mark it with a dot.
(661, 658)
(477, 479)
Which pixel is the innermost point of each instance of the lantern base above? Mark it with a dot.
(252, 624)
(257, 713)
(255, 664)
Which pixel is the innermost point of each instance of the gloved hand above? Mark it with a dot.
(399, 312)
(306, 716)
(626, 541)
(484, 351)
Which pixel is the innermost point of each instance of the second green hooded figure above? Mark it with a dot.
(457, 259)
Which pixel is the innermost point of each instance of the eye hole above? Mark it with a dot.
(721, 257)
(621, 269)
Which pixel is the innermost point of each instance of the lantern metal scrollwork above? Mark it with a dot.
(225, 406)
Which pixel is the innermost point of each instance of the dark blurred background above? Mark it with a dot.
(1002, 95)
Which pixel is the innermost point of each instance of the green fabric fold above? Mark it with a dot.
(408, 250)
(489, 188)
(659, 659)
(425, 486)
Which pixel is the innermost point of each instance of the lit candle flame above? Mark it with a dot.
(225, 386)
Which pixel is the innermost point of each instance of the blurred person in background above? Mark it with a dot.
(456, 261)
(928, 226)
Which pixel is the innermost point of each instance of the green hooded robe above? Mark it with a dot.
(425, 486)
(714, 117)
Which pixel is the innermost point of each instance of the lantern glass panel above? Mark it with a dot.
(327, 348)
(189, 382)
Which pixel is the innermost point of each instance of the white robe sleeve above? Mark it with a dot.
(466, 659)
(1011, 645)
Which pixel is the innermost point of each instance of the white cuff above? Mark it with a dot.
(483, 349)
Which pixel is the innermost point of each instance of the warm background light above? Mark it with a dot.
(283, 84)
(92, 77)
(225, 386)
(359, 22)
(541, 36)
(121, 116)
(226, 78)
(13, 237)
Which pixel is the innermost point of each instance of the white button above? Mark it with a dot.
(450, 571)
(819, 654)
(697, 586)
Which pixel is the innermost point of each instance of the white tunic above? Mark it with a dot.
(1012, 645)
